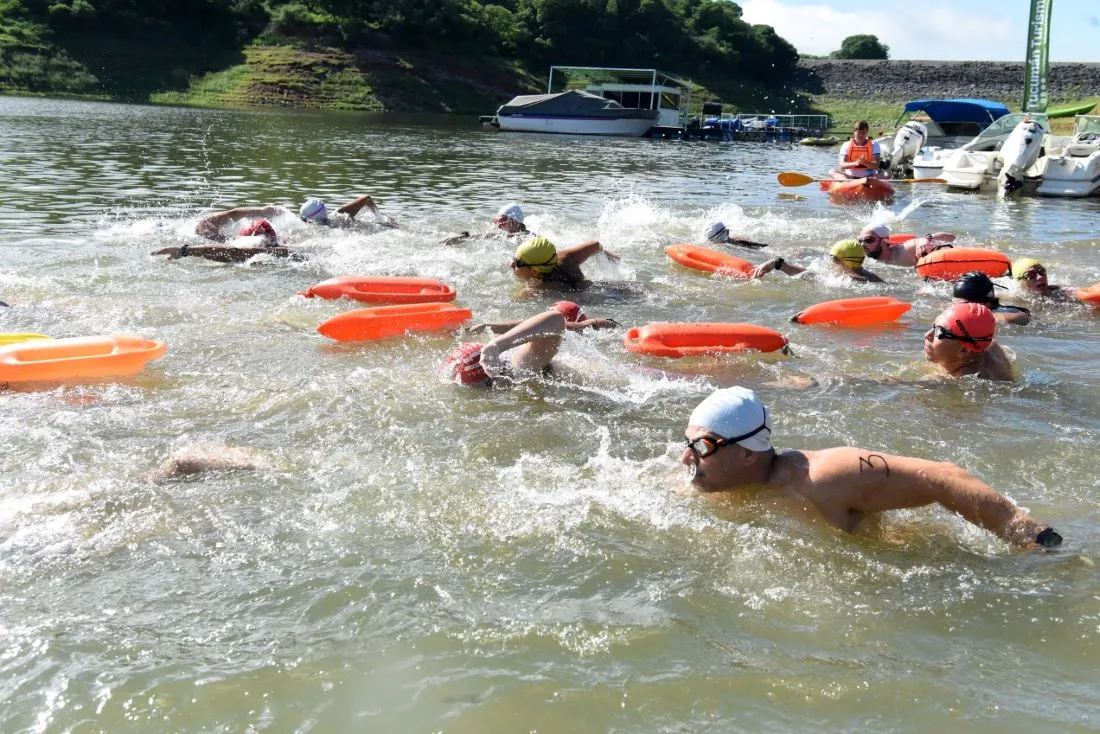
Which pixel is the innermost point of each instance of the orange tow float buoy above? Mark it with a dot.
(857, 190)
(383, 289)
(368, 324)
(898, 239)
(690, 340)
(76, 357)
(951, 262)
(710, 261)
(854, 311)
(1090, 295)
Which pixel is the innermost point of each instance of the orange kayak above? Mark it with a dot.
(854, 311)
(709, 261)
(368, 324)
(951, 262)
(689, 340)
(383, 289)
(858, 189)
(82, 356)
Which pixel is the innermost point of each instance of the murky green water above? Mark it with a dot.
(412, 556)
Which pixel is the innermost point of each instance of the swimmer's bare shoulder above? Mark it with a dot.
(202, 460)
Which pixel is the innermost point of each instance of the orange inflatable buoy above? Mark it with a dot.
(898, 239)
(1089, 295)
(688, 340)
(858, 189)
(854, 311)
(383, 289)
(82, 356)
(951, 262)
(710, 261)
(367, 324)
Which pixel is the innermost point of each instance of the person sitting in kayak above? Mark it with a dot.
(575, 320)
(1032, 277)
(507, 224)
(876, 243)
(229, 253)
(314, 211)
(719, 234)
(847, 259)
(961, 343)
(858, 157)
(532, 344)
(977, 287)
(538, 263)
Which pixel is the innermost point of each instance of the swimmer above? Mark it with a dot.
(1032, 277)
(313, 211)
(538, 263)
(719, 234)
(847, 259)
(858, 157)
(201, 460)
(532, 343)
(876, 244)
(976, 287)
(507, 224)
(575, 320)
(729, 447)
(228, 253)
(961, 343)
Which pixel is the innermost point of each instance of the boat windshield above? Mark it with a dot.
(1086, 124)
(1006, 124)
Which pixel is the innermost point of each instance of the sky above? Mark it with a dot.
(964, 30)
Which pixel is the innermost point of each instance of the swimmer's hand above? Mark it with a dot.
(612, 256)
(490, 358)
(600, 323)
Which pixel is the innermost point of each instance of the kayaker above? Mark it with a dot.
(313, 211)
(575, 320)
(961, 343)
(846, 257)
(858, 157)
(531, 344)
(719, 234)
(977, 287)
(538, 263)
(876, 244)
(507, 224)
(1032, 277)
(729, 447)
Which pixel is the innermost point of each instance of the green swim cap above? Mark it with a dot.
(849, 253)
(539, 254)
(1021, 266)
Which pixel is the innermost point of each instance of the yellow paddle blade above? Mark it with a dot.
(15, 337)
(790, 178)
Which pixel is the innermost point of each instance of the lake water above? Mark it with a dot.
(415, 556)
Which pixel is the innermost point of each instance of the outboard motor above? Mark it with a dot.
(1019, 152)
(907, 143)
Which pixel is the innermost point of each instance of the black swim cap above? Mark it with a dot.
(975, 287)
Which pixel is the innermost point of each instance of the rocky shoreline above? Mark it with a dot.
(900, 80)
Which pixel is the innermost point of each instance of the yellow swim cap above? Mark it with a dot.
(539, 254)
(849, 253)
(1021, 266)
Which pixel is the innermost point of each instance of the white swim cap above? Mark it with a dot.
(879, 229)
(714, 231)
(735, 413)
(512, 211)
(313, 210)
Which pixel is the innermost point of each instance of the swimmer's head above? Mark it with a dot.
(848, 253)
(977, 287)
(717, 232)
(509, 218)
(874, 240)
(313, 210)
(261, 228)
(463, 365)
(971, 325)
(537, 253)
(571, 311)
(733, 416)
(1029, 273)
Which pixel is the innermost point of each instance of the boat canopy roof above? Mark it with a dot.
(963, 109)
(574, 103)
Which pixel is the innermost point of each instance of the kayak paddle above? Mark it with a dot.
(19, 336)
(790, 178)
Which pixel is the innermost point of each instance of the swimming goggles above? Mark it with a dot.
(704, 446)
(942, 332)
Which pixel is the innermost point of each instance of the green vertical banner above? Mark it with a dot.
(1036, 87)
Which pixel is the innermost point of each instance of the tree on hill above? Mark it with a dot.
(862, 46)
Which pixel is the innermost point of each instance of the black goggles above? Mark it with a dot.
(942, 332)
(704, 446)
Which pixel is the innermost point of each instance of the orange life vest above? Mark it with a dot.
(857, 151)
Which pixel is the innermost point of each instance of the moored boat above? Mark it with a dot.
(1075, 169)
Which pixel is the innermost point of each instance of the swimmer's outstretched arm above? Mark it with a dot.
(540, 335)
(220, 253)
(357, 204)
(501, 327)
(874, 482)
(579, 253)
(780, 265)
(210, 225)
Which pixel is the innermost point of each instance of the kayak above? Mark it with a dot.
(821, 141)
(690, 340)
(709, 261)
(854, 311)
(82, 356)
(951, 262)
(858, 189)
(368, 324)
(383, 289)
(1070, 111)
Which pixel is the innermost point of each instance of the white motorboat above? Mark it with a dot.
(1018, 155)
(1075, 169)
(971, 169)
(929, 161)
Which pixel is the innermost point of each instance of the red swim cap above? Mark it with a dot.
(973, 324)
(571, 311)
(260, 227)
(463, 364)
